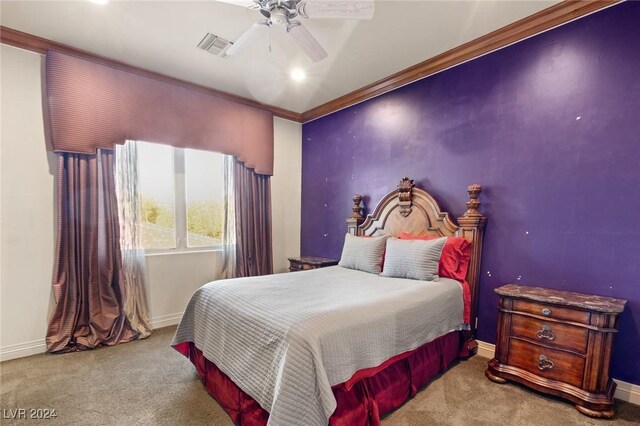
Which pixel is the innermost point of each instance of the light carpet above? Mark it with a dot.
(148, 383)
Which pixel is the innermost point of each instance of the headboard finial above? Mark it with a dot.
(357, 210)
(473, 204)
(404, 196)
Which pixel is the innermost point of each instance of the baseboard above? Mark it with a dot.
(165, 320)
(486, 350)
(627, 392)
(35, 347)
(22, 349)
(624, 391)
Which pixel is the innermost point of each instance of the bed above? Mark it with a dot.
(335, 345)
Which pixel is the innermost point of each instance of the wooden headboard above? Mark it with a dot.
(414, 211)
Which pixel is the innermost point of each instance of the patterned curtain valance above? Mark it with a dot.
(94, 105)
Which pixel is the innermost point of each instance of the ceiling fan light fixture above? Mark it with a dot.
(279, 17)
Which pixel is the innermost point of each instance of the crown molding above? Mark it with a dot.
(37, 44)
(546, 19)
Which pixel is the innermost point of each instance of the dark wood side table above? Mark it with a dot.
(558, 343)
(303, 263)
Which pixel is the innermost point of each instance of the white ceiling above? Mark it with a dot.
(162, 36)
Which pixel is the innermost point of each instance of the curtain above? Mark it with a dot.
(252, 196)
(88, 283)
(129, 214)
(229, 222)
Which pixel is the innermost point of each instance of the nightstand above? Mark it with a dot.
(558, 343)
(303, 263)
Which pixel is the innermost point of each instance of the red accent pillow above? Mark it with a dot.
(454, 263)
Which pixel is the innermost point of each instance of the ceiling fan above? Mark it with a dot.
(283, 13)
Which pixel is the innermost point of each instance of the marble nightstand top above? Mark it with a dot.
(567, 298)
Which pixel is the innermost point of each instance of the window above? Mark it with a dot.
(182, 194)
(157, 188)
(205, 203)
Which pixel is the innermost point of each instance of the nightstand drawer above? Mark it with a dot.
(551, 364)
(550, 333)
(551, 311)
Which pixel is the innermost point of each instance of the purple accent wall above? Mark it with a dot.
(549, 126)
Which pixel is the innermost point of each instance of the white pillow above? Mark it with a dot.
(363, 253)
(415, 259)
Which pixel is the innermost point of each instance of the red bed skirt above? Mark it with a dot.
(361, 400)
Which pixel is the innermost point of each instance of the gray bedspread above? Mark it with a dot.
(285, 339)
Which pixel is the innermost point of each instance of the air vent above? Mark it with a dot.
(214, 44)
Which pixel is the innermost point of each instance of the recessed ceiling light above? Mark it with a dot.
(298, 74)
(99, 1)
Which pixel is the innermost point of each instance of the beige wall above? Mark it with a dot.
(27, 226)
(172, 279)
(27, 191)
(286, 192)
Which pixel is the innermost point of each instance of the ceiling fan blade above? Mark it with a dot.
(251, 35)
(243, 3)
(307, 42)
(336, 9)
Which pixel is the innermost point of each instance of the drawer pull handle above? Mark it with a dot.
(546, 333)
(546, 312)
(545, 363)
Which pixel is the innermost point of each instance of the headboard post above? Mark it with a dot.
(353, 223)
(472, 224)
